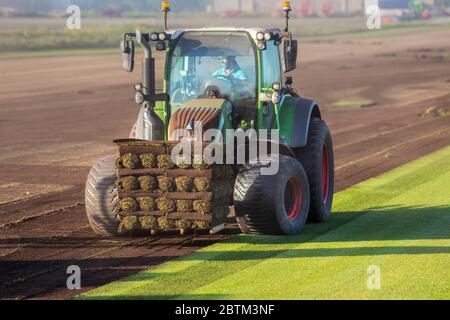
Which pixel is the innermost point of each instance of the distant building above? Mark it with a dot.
(300, 7)
(308, 8)
(7, 11)
(348, 6)
(325, 8)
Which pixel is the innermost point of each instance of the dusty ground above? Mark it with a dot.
(57, 115)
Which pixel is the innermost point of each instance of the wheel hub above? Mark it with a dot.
(293, 198)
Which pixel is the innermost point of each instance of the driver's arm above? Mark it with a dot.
(241, 76)
(217, 73)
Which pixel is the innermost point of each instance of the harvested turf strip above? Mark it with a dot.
(183, 162)
(128, 183)
(148, 183)
(146, 204)
(166, 184)
(129, 226)
(199, 163)
(202, 206)
(185, 206)
(130, 161)
(184, 184)
(128, 205)
(165, 162)
(184, 225)
(201, 224)
(148, 223)
(166, 224)
(165, 204)
(148, 160)
(202, 184)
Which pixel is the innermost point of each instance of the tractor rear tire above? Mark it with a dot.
(318, 160)
(272, 204)
(101, 197)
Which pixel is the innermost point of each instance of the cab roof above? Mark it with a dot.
(252, 31)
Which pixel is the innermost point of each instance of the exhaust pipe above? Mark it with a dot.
(149, 125)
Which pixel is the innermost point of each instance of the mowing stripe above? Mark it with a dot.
(396, 146)
(382, 134)
(399, 222)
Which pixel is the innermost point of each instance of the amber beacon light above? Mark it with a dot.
(165, 8)
(287, 9)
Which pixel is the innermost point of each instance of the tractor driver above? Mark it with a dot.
(231, 72)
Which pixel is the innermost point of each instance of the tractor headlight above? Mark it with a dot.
(154, 36)
(261, 46)
(139, 97)
(160, 46)
(260, 36)
(276, 98)
(162, 36)
(267, 36)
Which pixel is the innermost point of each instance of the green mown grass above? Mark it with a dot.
(399, 221)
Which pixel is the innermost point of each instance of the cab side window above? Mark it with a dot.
(271, 65)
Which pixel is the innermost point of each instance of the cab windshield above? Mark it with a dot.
(213, 64)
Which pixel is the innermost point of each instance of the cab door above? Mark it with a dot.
(270, 72)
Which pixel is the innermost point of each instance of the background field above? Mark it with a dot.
(43, 34)
(399, 222)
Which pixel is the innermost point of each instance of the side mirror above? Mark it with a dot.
(127, 49)
(290, 55)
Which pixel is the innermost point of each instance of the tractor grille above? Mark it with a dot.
(208, 117)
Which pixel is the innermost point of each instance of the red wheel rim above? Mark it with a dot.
(325, 173)
(293, 198)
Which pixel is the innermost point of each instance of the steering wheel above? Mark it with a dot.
(179, 96)
(220, 84)
(234, 82)
(221, 77)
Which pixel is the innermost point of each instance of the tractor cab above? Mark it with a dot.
(241, 67)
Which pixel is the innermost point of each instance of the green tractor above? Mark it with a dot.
(226, 79)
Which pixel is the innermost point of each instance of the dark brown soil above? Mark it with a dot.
(58, 115)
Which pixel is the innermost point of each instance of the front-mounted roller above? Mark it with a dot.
(216, 80)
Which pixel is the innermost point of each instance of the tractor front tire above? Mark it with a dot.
(318, 160)
(101, 197)
(132, 134)
(272, 204)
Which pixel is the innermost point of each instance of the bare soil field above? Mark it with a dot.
(386, 100)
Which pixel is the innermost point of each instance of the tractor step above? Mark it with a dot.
(158, 195)
(217, 228)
